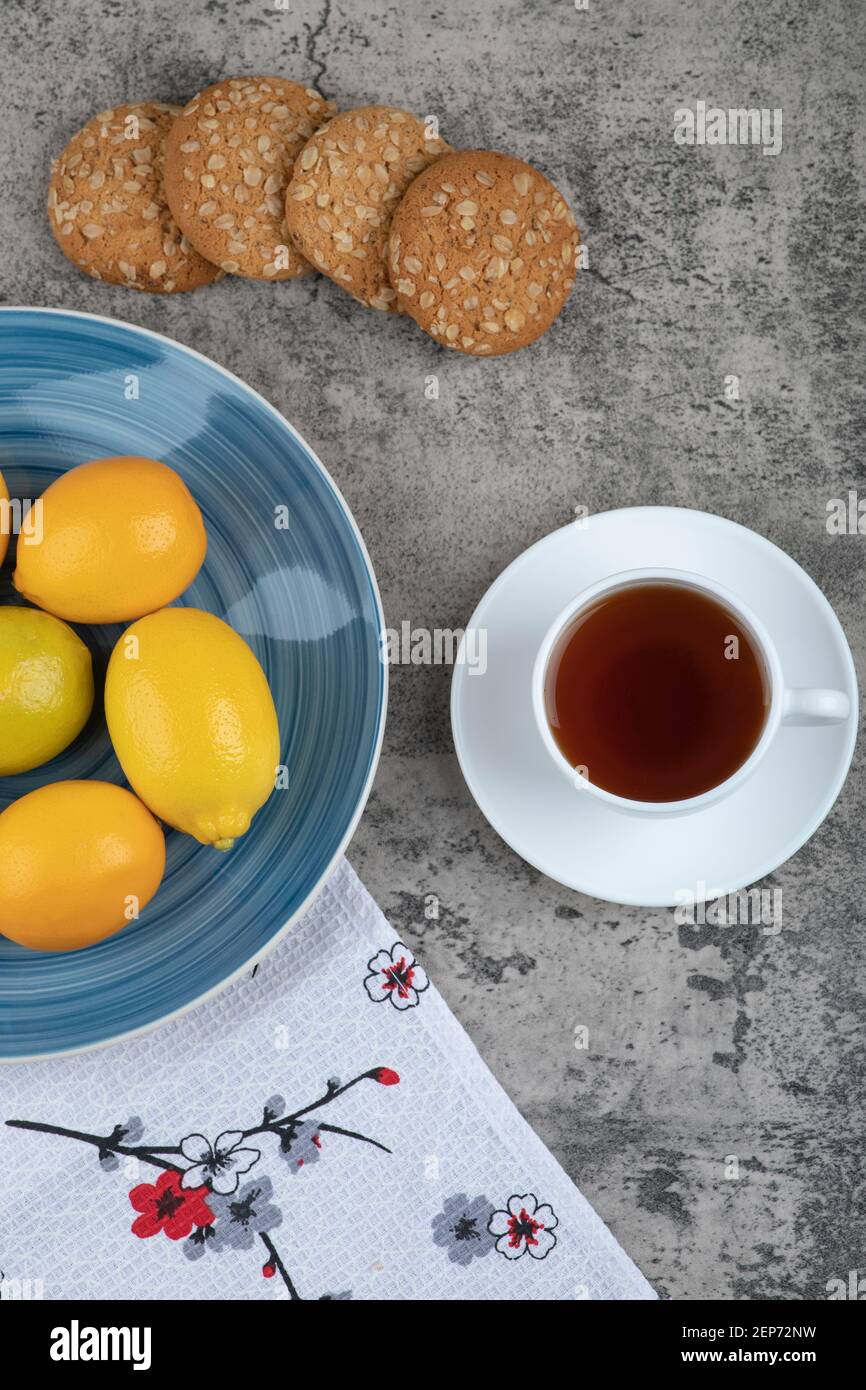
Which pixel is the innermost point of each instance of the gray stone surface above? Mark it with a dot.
(703, 262)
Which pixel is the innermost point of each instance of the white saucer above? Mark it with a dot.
(597, 849)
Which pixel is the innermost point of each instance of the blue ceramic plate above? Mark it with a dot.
(75, 387)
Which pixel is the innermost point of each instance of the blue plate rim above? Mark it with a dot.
(328, 872)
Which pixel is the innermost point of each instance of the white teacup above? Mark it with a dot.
(787, 705)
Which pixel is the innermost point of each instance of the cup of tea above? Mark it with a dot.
(659, 691)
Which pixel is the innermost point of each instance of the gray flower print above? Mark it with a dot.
(238, 1220)
(300, 1145)
(461, 1227)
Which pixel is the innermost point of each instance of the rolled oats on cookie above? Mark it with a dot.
(228, 158)
(482, 252)
(107, 206)
(347, 181)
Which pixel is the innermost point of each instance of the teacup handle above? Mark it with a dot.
(815, 706)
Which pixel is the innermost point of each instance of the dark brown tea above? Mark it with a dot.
(656, 691)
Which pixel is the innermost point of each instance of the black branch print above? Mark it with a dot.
(199, 1197)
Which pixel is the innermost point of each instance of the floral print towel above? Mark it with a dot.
(323, 1129)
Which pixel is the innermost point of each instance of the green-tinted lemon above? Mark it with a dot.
(46, 688)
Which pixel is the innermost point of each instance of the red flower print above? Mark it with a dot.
(395, 975)
(386, 1077)
(522, 1227)
(166, 1206)
(525, 1228)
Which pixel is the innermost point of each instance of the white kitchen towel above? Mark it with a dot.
(324, 1128)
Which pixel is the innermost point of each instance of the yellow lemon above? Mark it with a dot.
(46, 688)
(78, 860)
(120, 537)
(4, 519)
(192, 720)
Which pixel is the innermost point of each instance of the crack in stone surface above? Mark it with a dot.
(312, 44)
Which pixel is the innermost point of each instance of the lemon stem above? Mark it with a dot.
(223, 844)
